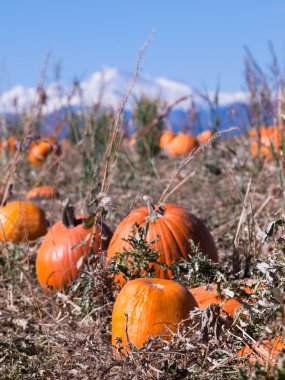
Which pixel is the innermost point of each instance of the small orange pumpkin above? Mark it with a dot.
(149, 307)
(40, 150)
(12, 144)
(206, 295)
(181, 145)
(174, 226)
(204, 137)
(21, 221)
(270, 138)
(61, 257)
(165, 138)
(42, 192)
(266, 351)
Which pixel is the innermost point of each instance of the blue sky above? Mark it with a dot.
(198, 42)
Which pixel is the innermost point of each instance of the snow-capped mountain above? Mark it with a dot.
(109, 86)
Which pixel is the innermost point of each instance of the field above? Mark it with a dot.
(67, 335)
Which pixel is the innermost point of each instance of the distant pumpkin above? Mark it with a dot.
(148, 307)
(204, 137)
(269, 143)
(21, 221)
(42, 192)
(12, 144)
(165, 138)
(181, 145)
(41, 149)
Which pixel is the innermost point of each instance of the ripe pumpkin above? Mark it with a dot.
(40, 150)
(9, 144)
(61, 257)
(206, 295)
(266, 351)
(43, 192)
(149, 307)
(270, 138)
(181, 145)
(174, 226)
(12, 144)
(21, 221)
(204, 137)
(165, 138)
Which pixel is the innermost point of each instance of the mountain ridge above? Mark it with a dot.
(107, 85)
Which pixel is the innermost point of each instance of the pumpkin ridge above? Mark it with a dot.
(173, 240)
(177, 226)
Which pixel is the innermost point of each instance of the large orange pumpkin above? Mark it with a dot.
(174, 226)
(270, 139)
(149, 307)
(165, 138)
(21, 221)
(64, 250)
(266, 351)
(42, 192)
(206, 295)
(181, 145)
(204, 137)
(40, 150)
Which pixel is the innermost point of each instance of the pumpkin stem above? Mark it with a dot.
(68, 215)
(153, 212)
(150, 205)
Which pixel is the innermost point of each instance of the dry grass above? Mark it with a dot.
(68, 335)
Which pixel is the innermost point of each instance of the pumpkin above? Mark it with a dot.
(149, 307)
(270, 139)
(206, 295)
(40, 150)
(21, 221)
(174, 226)
(266, 351)
(43, 192)
(64, 250)
(165, 138)
(204, 137)
(12, 144)
(181, 145)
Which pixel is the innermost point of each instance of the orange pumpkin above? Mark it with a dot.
(61, 257)
(174, 226)
(12, 144)
(270, 138)
(40, 150)
(206, 295)
(21, 221)
(149, 307)
(43, 192)
(9, 144)
(165, 138)
(204, 137)
(266, 351)
(181, 145)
